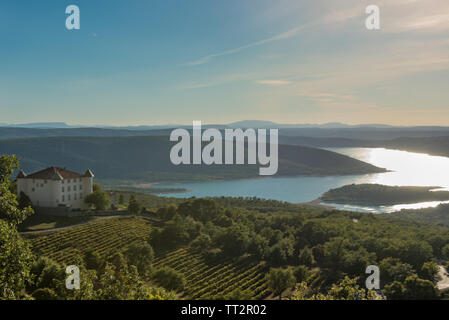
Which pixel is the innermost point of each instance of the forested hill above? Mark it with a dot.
(378, 195)
(431, 145)
(147, 158)
(432, 140)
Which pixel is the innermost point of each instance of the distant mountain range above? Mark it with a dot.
(330, 125)
(238, 124)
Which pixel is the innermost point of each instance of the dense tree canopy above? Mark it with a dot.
(15, 253)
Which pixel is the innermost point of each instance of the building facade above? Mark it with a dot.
(56, 187)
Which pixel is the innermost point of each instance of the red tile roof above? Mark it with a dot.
(54, 173)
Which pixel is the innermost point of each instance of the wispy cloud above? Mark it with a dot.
(400, 16)
(273, 82)
(284, 35)
(216, 81)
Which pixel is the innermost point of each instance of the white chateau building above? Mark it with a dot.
(54, 187)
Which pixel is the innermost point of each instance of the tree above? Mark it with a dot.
(301, 273)
(411, 289)
(177, 231)
(445, 252)
(202, 242)
(98, 199)
(93, 260)
(395, 291)
(24, 201)
(9, 206)
(167, 212)
(281, 252)
(348, 289)
(334, 253)
(15, 262)
(140, 255)
(15, 253)
(258, 246)
(356, 261)
(44, 294)
(392, 269)
(200, 209)
(306, 257)
(121, 199)
(280, 280)
(429, 270)
(417, 288)
(169, 278)
(117, 283)
(345, 289)
(134, 206)
(233, 241)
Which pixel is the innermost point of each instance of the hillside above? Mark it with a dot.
(229, 252)
(438, 146)
(147, 159)
(376, 194)
(367, 133)
(438, 215)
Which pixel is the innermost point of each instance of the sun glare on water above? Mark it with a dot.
(406, 168)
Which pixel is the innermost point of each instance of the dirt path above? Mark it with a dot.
(443, 279)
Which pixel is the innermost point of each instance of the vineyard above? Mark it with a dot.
(101, 236)
(206, 280)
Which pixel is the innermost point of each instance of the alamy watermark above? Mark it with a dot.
(72, 281)
(373, 280)
(372, 22)
(212, 153)
(73, 21)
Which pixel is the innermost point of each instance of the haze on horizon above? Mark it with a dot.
(159, 62)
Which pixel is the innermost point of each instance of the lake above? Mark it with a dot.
(407, 169)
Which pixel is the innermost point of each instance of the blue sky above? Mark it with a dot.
(171, 61)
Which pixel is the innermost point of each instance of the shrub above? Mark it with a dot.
(169, 278)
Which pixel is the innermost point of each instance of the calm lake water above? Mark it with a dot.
(408, 169)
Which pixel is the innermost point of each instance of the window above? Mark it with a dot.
(62, 189)
(68, 197)
(68, 189)
(74, 188)
(63, 181)
(79, 180)
(63, 198)
(81, 187)
(74, 196)
(42, 185)
(81, 196)
(32, 190)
